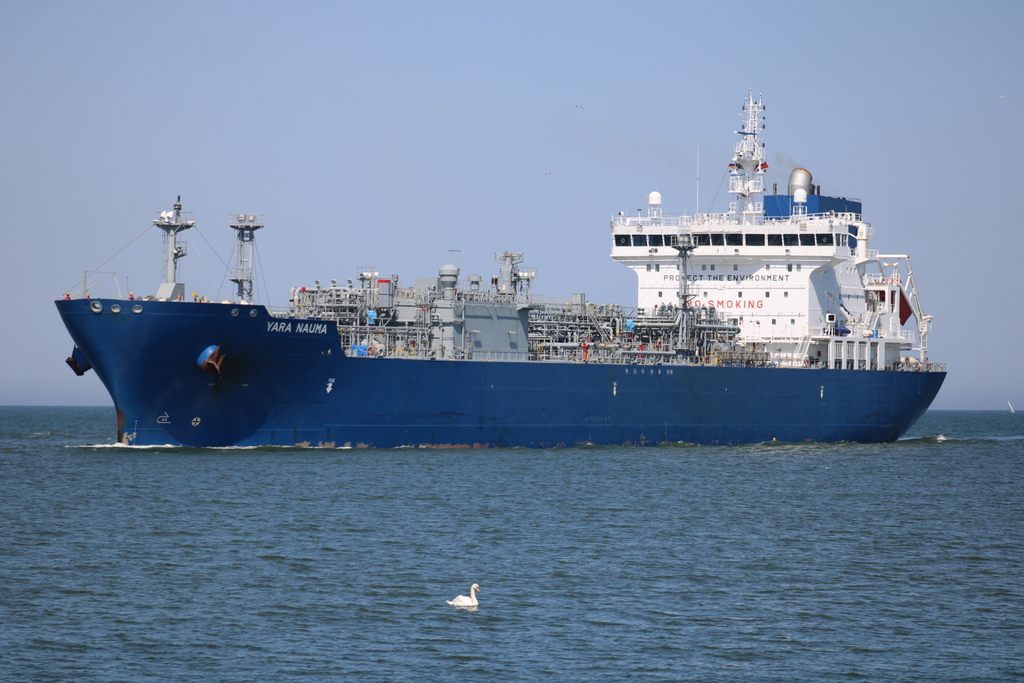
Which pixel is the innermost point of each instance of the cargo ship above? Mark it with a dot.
(772, 321)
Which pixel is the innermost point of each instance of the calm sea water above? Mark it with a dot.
(887, 562)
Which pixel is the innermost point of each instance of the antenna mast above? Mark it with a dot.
(245, 227)
(172, 222)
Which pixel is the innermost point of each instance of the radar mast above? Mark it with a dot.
(746, 171)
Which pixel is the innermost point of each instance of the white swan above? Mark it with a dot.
(463, 601)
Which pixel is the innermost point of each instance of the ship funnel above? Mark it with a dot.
(800, 179)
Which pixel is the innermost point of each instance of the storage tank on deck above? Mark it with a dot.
(448, 278)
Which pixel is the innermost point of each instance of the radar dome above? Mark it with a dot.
(654, 199)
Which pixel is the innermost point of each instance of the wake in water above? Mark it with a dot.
(172, 447)
(943, 439)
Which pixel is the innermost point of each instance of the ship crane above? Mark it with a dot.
(684, 246)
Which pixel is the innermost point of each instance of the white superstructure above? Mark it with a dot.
(794, 272)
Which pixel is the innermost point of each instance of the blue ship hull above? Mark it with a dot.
(287, 382)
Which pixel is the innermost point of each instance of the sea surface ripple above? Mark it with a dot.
(772, 562)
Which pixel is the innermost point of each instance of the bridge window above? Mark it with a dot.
(734, 239)
(717, 240)
(655, 241)
(755, 240)
(791, 240)
(824, 239)
(671, 240)
(622, 240)
(774, 240)
(639, 240)
(702, 240)
(806, 240)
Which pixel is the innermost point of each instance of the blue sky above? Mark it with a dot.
(386, 134)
